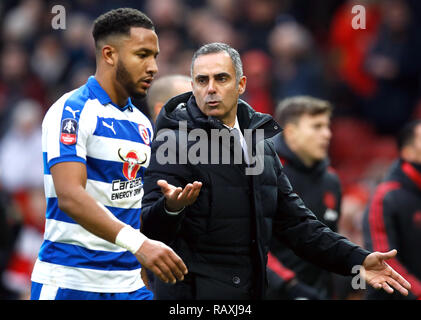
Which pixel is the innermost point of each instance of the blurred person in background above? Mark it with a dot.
(258, 65)
(297, 67)
(169, 18)
(10, 224)
(205, 26)
(349, 81)
(49, 60)
(259, 21)
(17, 81)
(393, 217)
(20, 157)
(22, 23)
(164, 88)
(302, 148)
(21, 175)
(229, 10)
(394, 64)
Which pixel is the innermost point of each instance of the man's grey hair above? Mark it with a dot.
(216, 47)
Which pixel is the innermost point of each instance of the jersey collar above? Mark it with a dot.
(103, 97)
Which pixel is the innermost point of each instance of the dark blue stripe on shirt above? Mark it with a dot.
(107, 171)
(80, 257)
(128, 216)
(45, 159)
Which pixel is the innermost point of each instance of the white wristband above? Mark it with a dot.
(130, 239)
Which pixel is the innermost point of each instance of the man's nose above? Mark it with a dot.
(211, 87)
(152, 67)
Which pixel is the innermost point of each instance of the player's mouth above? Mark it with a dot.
(146, 82)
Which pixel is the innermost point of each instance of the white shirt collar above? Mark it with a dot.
(242, 140)
(236, 125)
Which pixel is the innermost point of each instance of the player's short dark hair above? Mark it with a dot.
(291, 109)
(407, 134)
(119, 21)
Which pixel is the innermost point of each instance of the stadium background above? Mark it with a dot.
(371, 75)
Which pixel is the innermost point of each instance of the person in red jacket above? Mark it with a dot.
(393, 218)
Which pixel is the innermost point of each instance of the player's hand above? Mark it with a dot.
(145, 278)
(380, 275)
(176, 198)
(162, 261)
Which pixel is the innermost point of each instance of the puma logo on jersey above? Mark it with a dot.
(73, 112)
(111, 127)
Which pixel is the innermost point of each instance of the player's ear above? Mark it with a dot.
(109, 54)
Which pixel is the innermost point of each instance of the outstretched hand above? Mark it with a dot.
(162, 261)
(176, 198)
(380, 275)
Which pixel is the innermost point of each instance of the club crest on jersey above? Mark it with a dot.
(68, 131)
(132, 163)
(144, 134)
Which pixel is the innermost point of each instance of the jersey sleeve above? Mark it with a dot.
(66, 129)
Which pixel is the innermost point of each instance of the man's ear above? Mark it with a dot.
(289, 129)
(109, 54)
(242, 85)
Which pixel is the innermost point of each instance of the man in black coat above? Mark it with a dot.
(218, 212)
(393, 217)
(302, 148)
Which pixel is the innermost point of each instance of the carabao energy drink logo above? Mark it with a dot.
(132, 186)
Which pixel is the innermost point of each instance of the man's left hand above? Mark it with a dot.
(379, 274)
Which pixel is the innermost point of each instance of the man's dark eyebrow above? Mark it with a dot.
(218, 75)
(222, 74)
(147, 51)
(201, 76)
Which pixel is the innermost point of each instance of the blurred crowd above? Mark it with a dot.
(288, 47)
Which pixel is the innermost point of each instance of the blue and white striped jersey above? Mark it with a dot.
(114, 144)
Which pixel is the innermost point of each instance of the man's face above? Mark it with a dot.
(136, 65)
(311, 135)
(215, 87)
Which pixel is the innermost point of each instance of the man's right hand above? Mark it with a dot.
(176, 198)
(162, 261)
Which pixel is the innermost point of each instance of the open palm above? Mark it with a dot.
(380, 275)
(176, 198)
